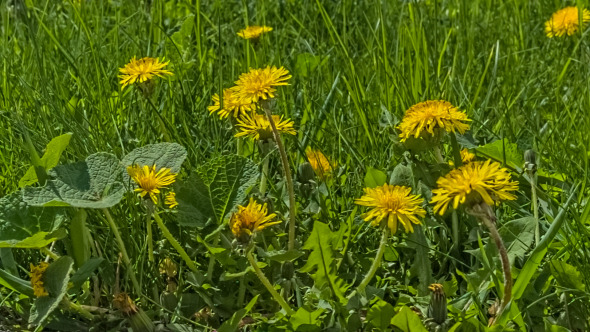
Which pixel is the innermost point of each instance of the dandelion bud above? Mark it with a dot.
(530, 160)
(306, 173)
(437, 309)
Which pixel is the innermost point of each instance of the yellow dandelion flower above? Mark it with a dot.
(320, 164)
(170, 200)
(149, 181)
(142, 70)
(254, 31)
(394, 203)
(37, 279)
(260, 83)
(473, 183)
(231, 105)
(566, 21)
(432, 115)
(251, 218)
(258, 127)
(466, 157)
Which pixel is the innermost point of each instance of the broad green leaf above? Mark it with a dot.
(408, 321)
(375, 178)
(15, 283)
(94, 183)
(380, 314)
(283, 255)
(163, 155)
(232, 324)
(305, 320)
(214, 189)
(504, 152)
(24, 226)
(49, 160)
(322, 242)
(55, 280)
(421, 266)
(85, 271)
(401, 176)
(567, 275)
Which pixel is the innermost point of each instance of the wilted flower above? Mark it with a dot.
(37, 273)
(320, 164)
(231, 105)
(258, 127)
(251, 218)
(395, 204)
(260, 84)
(473, 183)
(566, 21)
(149, 181)
(254, 31)
(431, 116)
(142, 70)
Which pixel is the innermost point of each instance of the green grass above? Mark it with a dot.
(375, 59)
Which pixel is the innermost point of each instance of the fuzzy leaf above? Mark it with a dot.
(214, 189)
(55, 279)
(94, 183)
(24, 226)
(322, 242)
(49, 160)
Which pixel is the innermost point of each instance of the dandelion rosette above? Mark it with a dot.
(251, 218)
(258, 127)
(150, 181)
(254, 31)
(260, 84)
(36, 275)
(319, 162)
(431, 116)
(231, 105)
(142, 70)
(566, 21)
(394, 204)
(473, 183)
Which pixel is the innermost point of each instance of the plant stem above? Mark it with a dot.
(505, 263)
(263, 176)
(535, 206)
(49, 253)
(123, 250)
(376, 261)
(268, 285)
(189, 262)
(150, 237)
(77, 308)
(288, 178)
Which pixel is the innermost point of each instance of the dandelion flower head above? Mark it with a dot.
(260, 84)
(473, 183)
(566, 21)
(319, 162)
(251, 218)
(258, 127)
(394, 204)
(37, 273)
(432, 115)
(150, 181)
(231, 105)
(142, 70)
(254, 31)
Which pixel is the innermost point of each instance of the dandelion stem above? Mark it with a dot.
(376, 261)
(505, 263)
(150, 237)
(535, 206)
(288, 178)
(189, 262)
(268, 285)
(77, 308)
(264, 175)
(123, 250)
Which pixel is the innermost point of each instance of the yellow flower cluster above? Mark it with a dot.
(566, 21)
(149, 182)
(142, 70)
(37, 273)
(251, 218)
(426, 118)
(254, 31)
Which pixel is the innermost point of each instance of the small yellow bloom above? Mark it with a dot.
(251, 218)
(473, 183)
(258, 127)
(432, 115)
(566, 21)
(254, 31)
(231, 105)
(260, 84)
(142, 70)
(466, 157)
(170, 200)
(149, 181)
(37, 279)
(395, 203)
(320, 164)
